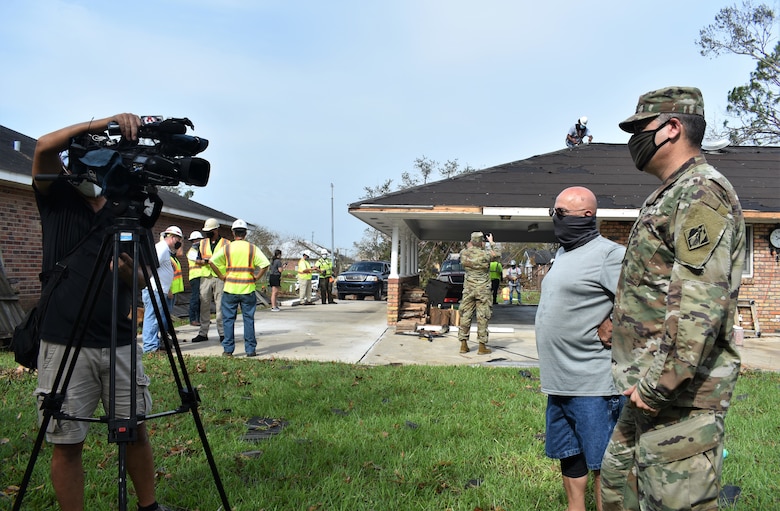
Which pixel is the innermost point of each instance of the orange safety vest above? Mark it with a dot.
(177, 286)
(206, 253)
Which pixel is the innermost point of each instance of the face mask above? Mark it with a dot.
(642, 146)
(574, 231)
(177, 245)
(89, 189)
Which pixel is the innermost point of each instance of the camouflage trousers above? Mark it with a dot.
(479, 300)
(665, 463)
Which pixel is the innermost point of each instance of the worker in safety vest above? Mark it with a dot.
(241, 264)
(210, 282)
(304, 280)
(194, 274)
(177, 286)
(496, 273)
(325, 266)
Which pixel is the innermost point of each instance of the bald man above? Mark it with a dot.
(573, 336)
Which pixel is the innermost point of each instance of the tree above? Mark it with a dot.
(179, 189)
(377, 246)
(749, 31)
(263, 237)
(373, 246)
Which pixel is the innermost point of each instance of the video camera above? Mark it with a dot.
(164, 156)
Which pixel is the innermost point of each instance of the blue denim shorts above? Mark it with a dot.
(581, 425)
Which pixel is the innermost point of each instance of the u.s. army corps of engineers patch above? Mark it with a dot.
(697, 237)
(701, 232)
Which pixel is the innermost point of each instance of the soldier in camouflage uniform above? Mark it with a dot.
(673, 353)
(477, 296)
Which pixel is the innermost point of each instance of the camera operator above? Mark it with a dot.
(74, 222)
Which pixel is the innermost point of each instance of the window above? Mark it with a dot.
(747, 271)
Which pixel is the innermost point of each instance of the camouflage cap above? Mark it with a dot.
(678, 100)
(477, 236)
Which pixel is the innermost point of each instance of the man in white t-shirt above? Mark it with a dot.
(170, 242)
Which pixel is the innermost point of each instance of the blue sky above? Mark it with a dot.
(296, 95)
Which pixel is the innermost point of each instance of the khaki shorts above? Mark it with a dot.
(88, 386)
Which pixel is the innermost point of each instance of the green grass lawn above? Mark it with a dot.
(361, 438)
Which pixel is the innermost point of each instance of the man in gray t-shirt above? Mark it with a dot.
(573, 335)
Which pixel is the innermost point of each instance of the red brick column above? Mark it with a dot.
(393, 299)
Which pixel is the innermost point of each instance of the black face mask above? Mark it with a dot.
(642, 146)
(177, 245)
(574, 231)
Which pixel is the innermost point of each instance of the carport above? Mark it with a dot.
(512, 200)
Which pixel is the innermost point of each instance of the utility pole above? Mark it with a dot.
(332, 229)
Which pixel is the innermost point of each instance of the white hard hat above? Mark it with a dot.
(210, 224)
(512, 263)
(195, 235)
(324, 251)
(173, 230)
(239, 224)
(583, 120)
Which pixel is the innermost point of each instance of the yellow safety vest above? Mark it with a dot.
(206, 253)
(239, 261)
(196, 271)
(177, 286)
(325, 266)
(496, 270)
(304, 264)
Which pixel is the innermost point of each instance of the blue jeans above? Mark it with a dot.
(581, 425)
(230, 303)
(151, 329)
(195, 300)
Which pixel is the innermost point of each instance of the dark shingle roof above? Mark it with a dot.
(11, 160)
(607, 169)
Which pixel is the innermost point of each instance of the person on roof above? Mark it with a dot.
(578, 133)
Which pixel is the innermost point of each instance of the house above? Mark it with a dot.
(512, 201)
(535, 264)
(20, 235)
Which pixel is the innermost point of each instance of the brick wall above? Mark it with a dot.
(20, 242)
(616, 231)
(394, 287)
(764, 286)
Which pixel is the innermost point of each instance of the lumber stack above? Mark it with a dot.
(413, 309)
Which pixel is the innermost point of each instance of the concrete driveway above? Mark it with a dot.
(356, 332)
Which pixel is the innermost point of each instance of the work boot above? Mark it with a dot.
(464, 347)
(483, 349)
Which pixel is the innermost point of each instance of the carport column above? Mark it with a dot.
(393, 295)
(405, 253)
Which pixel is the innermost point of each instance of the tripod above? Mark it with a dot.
(127, 233)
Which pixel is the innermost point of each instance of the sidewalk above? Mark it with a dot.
(355, 332)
